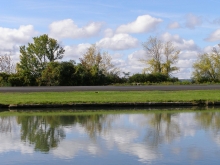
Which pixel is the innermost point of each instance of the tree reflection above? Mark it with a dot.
(209, 120)
(95, 124)
(45, 132)
(6, 124)
(163, 129)
(42, 131)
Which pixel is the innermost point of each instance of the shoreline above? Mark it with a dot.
(111, 105)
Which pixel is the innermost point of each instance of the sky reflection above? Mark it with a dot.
(148, 137)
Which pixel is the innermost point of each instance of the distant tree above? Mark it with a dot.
(160, 56)
(96, 68)
(171, 55)
(6, 64)
(35, 57)
(207, 66)
(103, 61)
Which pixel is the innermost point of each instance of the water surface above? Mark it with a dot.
(137, 137)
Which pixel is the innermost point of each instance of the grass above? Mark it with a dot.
(109, 97)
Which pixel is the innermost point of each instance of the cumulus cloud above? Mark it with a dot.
(174, 25)
(131, 63)
(68, 29)
(11, 39)
(142, 24)
(188, 55)
(179, 42)
(118, 42)
(73, 52)
(214, 36)
(109, 33)
(192, 21)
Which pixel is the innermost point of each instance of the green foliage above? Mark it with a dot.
(67, 73)
(152, 78)
(4, 79)
(43, 132)
(207, 67)
(50, 75)
(35, 57)
(96, 68)
(16, 80)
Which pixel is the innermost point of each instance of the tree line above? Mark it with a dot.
(40, 65)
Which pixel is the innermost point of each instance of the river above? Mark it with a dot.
(111, 137)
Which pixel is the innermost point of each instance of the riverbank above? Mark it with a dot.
(109, 99)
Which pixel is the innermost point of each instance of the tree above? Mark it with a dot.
(103, 61)
(96, 68)
(160, 56)
(35, 57)
(207, 67)
(6, 64)
(171, 55)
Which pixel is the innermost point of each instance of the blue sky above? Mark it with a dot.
(119, 27)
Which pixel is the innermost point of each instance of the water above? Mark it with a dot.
(137, 137)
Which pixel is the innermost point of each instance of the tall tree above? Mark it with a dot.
(153, 48)
(171, 55)
(35, 57)
(160, 56)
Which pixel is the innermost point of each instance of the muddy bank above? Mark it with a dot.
(110, 105)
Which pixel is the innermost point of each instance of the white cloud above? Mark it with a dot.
(73, 52)
(11, 39)
(68, 29)
(70, 148)
(109, 33)
(180, 43)
(174, 25)
(188, 55)
(118, 42)
(208, 49)
(192, 21)
(131, 63)
(214, 36)
(142, 24)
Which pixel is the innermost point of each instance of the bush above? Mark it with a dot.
(16, 80)
(150, 78)
(4, 79)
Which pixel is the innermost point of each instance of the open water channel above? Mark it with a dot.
(111, 137)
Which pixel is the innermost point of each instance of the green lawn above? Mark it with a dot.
(108, 97)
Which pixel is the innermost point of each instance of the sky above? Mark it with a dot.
(119, 27)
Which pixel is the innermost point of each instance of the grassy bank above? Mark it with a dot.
(108, 97)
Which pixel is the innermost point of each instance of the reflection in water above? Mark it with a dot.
(43, 132)
(163, 128)
(6, 124)
(209, 120)
(143, 136)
